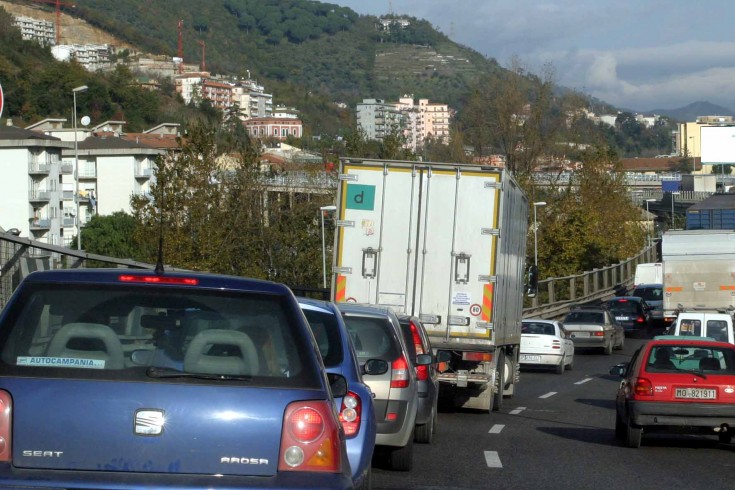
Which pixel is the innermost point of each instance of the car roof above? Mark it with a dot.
(636, 299)
(365, 309)
(649, 286)
(688, 340)
(540, 320)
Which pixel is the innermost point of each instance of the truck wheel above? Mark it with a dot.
(401, 458)
(497, 398)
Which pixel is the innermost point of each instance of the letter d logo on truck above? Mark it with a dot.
(361, 197)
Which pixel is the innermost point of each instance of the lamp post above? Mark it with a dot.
(74, 91)
(648, 219)
(672, 207)
(535, 229)
(691, 153)
(322, 210)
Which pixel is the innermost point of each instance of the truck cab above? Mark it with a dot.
(714, 324)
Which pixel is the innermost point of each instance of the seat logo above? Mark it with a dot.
(149, 422)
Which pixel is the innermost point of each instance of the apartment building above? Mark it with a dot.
(39, 30)
(41, 196)
(378, 118)
(92, 57)
(275, 127)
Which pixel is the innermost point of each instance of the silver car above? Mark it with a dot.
(376, 333)
(594, 326)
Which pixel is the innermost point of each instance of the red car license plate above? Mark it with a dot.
(696, 393)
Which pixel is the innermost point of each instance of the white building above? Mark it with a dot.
(92, 57)
(378, 118)
(39, 30)
(38, 185)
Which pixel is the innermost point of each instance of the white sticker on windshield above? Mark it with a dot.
(61, 362)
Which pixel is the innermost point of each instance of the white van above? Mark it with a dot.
(651, 273)
(717, 325)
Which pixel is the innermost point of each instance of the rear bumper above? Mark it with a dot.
(681, 414)
(590, 341)
(15, 478)
(396, 432)
(544, 360)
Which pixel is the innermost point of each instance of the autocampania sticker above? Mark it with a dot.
(60, 362)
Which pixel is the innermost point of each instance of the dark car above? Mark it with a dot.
(417, 342)
(653, 294)
(115, 378)
(676, 384)
(633, 313)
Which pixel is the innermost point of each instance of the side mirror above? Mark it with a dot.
(338, 384)
(424, 359)
(532, 281)
(375, 367)
(443, 356)
(619, 369)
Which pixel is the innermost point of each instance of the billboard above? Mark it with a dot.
(718, 145)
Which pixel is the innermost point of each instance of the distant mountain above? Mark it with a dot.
(692, 111)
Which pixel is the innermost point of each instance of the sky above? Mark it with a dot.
(635, 54)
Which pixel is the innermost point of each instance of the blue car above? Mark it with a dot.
(356, 411)
(122, 379)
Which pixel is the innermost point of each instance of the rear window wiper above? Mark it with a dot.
(691, 371)
(154, 372)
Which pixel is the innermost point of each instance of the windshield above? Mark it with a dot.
(120, 331)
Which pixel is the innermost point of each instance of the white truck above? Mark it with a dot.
(698, 271)
(447, 243)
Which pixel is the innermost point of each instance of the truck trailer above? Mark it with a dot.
(447, 243)
(698, 271)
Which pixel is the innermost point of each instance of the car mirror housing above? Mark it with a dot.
(424, 359)
(619, 369)
(443, 356)
(375, 367)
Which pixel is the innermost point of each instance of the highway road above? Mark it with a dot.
(558, 431)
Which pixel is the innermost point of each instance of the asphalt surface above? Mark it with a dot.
(558, 431)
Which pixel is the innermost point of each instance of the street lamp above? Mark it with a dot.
(535, 229)
(672, 207)
(648, 219)
(74, 91)
(323, 210)
(691, 153)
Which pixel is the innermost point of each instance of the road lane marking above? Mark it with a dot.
(495, 429)
(517, 410)
(549, 394)
(492, 459)
(583, 381)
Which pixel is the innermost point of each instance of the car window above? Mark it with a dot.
(624, 306)
(120, 331)
(537, 328)
(717, 329)
(372, 337)
(327, 334)
(649, 294)
(690, 327)
(673, 358)
(585, 316)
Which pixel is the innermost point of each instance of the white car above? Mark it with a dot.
(546, 343)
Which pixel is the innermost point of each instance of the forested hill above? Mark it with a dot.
(319, 47)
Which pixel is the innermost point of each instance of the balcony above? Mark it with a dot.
(69, 222)
(67, 168)
(40, 224)
(143, 173)
(37, 168)
(67, 195)
(87, 174)
(39, 196)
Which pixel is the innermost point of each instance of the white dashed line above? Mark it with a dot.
(517, 410)
(549, 394)
(583, 381)
(492, 459)
(495, 429)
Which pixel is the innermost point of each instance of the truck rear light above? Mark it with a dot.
(477, 356)
(642, 387)
(310, 439)
(350, 414)
(399, 377)
(6, 422)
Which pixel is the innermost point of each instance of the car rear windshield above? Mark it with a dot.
(539, 328)
(716, 329)
(649, 294)
(623, 306)
(134, 332)
(327, 334)
(699, 358)
(585, 317)
(372, 337)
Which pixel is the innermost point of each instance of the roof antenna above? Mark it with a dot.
(159, 261)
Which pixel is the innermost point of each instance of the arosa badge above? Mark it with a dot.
(149, 422)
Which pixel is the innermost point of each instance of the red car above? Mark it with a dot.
(677, 384)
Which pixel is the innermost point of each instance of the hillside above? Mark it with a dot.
(692, 111)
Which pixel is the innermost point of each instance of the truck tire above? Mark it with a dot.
(497, 397)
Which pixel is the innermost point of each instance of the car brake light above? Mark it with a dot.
(422, 372)
(399, 373)
(310, 438)
(6, 416)
(556, 344)
(351, 413)
(477, 356)
(189, 281)
(598, 334)
(643, 387)
(640, 319)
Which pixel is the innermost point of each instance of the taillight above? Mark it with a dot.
(598, 334)
(477, 356)
(188, 281)
(416, 339)
(399, 373)
(642, 387)
(556, 344)
(640, 319)
(6, 415)
(351, 413)
(310, 438)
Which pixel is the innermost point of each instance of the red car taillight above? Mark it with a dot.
(350, 414)
(640, 319)
(422, 372)
(310, 438)
(642, 387)
(6, 416)
(556, 344)
(598, 334)
(399, 373)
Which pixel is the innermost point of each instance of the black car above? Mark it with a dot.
(632, 312)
